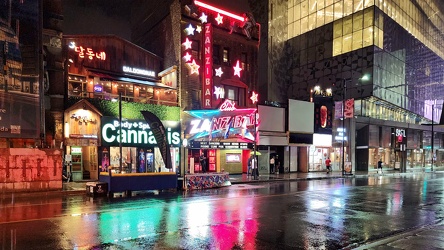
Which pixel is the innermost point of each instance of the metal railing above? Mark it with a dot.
(107, 96)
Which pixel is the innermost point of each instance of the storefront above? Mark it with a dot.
(139, 149)
(102, 66)
(398, 147)
(222, 140)
(82, 126)
(224, 136)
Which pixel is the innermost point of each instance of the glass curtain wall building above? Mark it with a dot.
(397, 43)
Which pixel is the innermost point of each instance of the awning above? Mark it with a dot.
(235, 83)
(107, 76)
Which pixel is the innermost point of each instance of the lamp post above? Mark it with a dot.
(120, 132)
(433, 134)
(364, 77)
(343, 124)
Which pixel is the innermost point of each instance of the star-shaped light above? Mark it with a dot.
(194, 67)
(187, 43)
(237, 69)
(219, 92)
(254, 97)
(219, 19)
(199, 28)
(190, 30)
(219, 72)
(187, 57)
(203, 18)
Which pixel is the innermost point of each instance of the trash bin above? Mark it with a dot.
(97, 188)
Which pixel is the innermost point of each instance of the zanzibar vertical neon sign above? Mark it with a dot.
(208, 69)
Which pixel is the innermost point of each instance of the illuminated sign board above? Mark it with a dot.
(233, 158)
(341, 134)
(137, 71)
(98, 88)
(85, 52)
(400, 134)
(76, 150)
(136, 133)
(208, 66)
(221, 145)
(225, 122)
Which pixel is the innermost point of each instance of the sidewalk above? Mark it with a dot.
(243, 178)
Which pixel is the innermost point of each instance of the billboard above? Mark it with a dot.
(19, 72)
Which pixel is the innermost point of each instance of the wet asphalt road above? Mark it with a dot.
(316, 214)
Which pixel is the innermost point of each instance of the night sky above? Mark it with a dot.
(113, 16)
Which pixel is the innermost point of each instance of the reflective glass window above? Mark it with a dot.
(357, 21)
(337, 29)
(357, 40)
(338, 11)
(347, 26)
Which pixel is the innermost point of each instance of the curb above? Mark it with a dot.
(82, 191)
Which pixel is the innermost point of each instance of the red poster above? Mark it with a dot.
(349, 108)
(207, 85)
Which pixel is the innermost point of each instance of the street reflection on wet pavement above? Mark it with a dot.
(316, 214)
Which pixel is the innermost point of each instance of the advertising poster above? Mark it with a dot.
(323, 115)
(19, 73)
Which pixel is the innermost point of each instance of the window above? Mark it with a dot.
(226, 55)
(195, 49)
(216, 54)
(76, 85)
(244, 61)
(235, 94)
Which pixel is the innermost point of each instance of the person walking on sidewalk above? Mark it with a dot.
(327, 164)
(254, 167)
(272, 165)
(379, 165)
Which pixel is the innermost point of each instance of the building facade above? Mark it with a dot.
(109, 81)
(215, 49)
(337, 45)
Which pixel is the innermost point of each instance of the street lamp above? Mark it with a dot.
(343, 124)
(365, 77)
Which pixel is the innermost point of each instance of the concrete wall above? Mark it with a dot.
(30, 169)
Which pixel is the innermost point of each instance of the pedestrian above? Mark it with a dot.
(254, 168)
(203, 163)
(272, 165)
(327, 165)
(379, 165)
(249, 171)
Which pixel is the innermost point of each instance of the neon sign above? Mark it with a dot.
(194, 67)
(136, 133)
(254, 97)
(87, 52)
(237, 69)
(215, 9)
(219, 92)
(227, 105)
(227, 121)
(208, 67)
(137, 71)
(220, 123)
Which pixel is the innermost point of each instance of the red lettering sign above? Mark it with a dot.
(207, 83)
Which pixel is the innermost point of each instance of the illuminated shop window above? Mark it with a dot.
(226, 55)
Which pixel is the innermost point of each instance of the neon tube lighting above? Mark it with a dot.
(207, 6)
